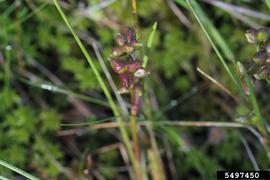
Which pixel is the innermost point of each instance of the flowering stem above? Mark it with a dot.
(135, 98)
(114, 108)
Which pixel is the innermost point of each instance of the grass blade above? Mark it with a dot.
(267, 2)
(89, 59)
(9, 10)
(28, 16)
(193, 5)
(149, 45)
(17, 170)
(103, 86)
(89, 123)
(56, 89)
(182, 3)
(213, 32)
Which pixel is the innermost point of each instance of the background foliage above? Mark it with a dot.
(45, 83)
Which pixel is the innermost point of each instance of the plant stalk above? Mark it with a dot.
(116, 112)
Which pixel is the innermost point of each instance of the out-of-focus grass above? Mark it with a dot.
(17, 170)
(115, 110)
(267, 3)
(211, 32)
(174, 91)
(261, 122)
(149, 45)
(56, 89)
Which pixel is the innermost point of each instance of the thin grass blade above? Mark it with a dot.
(56, 89)
(149, 45)
(213, 32)
(17, 170)
(267, 2)
(89, 123)
(115, 110)
(230, 71)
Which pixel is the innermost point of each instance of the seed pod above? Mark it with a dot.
(124, 81)
(131, 37)
(133, 65)
(120, 40)
(245, 86)
(119, 51)
(118, 65)
(257, 36)
(260, 57)
(240, 71)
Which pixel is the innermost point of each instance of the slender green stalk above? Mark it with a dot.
(56, 89)
(31, 14)
(149, 45)
(27, 16)
(133, 119)
(17, 170)
(89, 123)
(135, 138)
(214, 33)
(119, 98)
(116, 112)
(10, 9)
(227, 68)
(211, 41)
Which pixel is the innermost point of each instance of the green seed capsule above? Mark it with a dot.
(118, 65)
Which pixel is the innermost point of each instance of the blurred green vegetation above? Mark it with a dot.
(37, 48)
